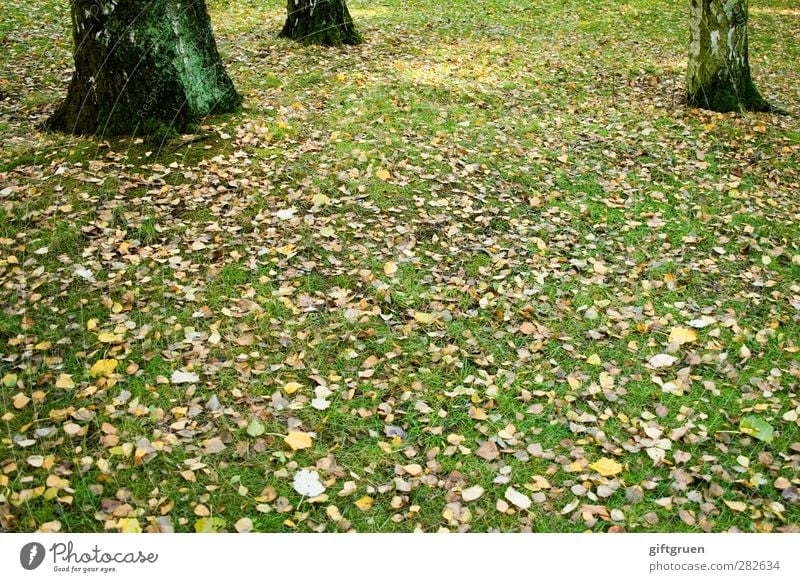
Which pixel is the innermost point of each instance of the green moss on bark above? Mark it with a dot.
(141, 62)
(720, 94)
(718, 74)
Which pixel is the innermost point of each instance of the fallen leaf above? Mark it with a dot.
(65, 382)
(364, 503)
(307, 483)
(606, 467)
(255, 428)
(298, 440)
(389, 268)
(214, 445)
(488, 451)
(662, 361)
(20, 401)
(757, 427)
(472, 493)
(209, 525)
(736, 505)
(424, 318)
(519, 499)
(682, 335)
(103, 368)
(180, 377)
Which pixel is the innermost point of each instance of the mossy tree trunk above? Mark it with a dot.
(324, 22)
(718, 76)
(141, 65)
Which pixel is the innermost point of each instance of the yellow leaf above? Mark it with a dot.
(91, 325)
(606, 467)
(383, 174)
(298, 440)
(291, 387)
(103, 368)
(682, 335)
(321, 200)
(129, 525)
(65, 382)
(478, 414)
(108, 338)
(390, 268)
(424, 318)
(365, 503)
(736, 505)
(593, 360)
(10, 380)
(209, 524)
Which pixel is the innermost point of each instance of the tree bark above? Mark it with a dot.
(141, 65)
(718, 75)
(324, 22)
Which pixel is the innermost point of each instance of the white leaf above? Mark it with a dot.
(286, 213)
(179, 377)
(307, 483)
(472, 493)
(662, 361)
(519, 499)
(84, 273)
(704, 321)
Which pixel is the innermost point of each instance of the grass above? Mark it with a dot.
(542, 169)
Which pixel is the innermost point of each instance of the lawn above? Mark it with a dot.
(484, 272)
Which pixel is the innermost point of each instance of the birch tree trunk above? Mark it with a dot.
(718, 75)
(324, 22)
(140, 65)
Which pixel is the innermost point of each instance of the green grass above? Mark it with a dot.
(526, 143)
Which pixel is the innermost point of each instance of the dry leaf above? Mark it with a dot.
(298, 440)
(606, 467)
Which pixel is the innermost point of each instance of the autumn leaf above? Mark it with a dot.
(307, 483)
(606, 467)
(298, 440)
(209, 525)
(181, 377)
(364, 503)
(65, 382)
(389, 268)
(291, 387)
(424, 318)
(662, 361)
(472, 493)
(736, 505)
(109, 338)
(103, 368)
(129, 525)
(519, 499)
(682, 335)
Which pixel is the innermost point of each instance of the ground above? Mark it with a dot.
(484, 272)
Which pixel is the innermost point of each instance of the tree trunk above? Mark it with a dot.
(141, 65)
(325, 22)
(718, 76)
